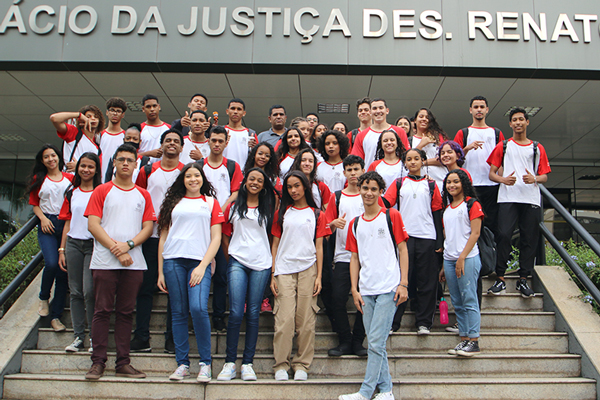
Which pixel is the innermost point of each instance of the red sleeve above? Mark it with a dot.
(374, 165)
(544, 166)
(476, 211)
(468, 174)
(349, 134)
(68, 176)
(495, 157)
(398, 226)
(436, 199)
(325, 193)
(227, 225)
(279, 187)
(217, 216)
(34, 196)
(236, 180)
(276, 228)
(149, 214)
(357, 149)
(70, 135)
(277, 145)
(459, 138)
(391, 194)
(501, 137)
(331, 213)
(142, 179)
(402, 134)
(351, 244)
(65, 211)
(322, 226)
(96, 204)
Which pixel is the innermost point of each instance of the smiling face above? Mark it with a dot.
(404, 124)
(364, 113)
(87, 169)
(295, 188)
(192, 181)
(422, 121)
(379, 111)
(263, 155)
(454, 185)
(519, 123)
(413, 162)
(255, 182)
(389, 143)
(293, 139)
(307, 163)
(171, 146)
(448, 155)
(50, 159)
(370, 192)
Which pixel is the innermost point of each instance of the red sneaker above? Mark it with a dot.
(265, 306)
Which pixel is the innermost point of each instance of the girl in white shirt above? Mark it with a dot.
(334, 147)
(428, 136)
(298, 233)
(462, 226)
(77, 245)
(306, 162)
(388, 157)
(263, 156)
(190, 235)
(47, 186)
(290, 144)
(248, 225)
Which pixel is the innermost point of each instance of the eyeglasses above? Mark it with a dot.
(115, 111)
(312, 119)
(125, 159)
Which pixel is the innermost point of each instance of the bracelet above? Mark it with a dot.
(79, 117)
(61, 250)
(404, 286)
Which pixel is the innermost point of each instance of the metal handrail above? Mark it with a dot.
(18, 236)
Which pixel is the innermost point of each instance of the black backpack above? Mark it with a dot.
(465, 132)
(487, 246)
(535, 153)
(431, 183)
(390, 229)
(354, 134)
(230, 167)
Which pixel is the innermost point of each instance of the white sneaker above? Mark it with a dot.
(353, 396)
(91, 349)
(281, 375)
(205, 374)
(300, 375)
(423, 330)
(182, 372)
(75, 346)
(248, 373)
(384, 396)
(227, 373)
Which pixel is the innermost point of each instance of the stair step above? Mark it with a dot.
(58, 387)
(401, 342)
(401, 365)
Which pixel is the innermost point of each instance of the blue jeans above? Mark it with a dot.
(378, 314)
(246, 286)
(186, 300)
(49, 244)
(463, 293)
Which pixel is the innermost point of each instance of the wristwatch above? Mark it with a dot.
(131, 244)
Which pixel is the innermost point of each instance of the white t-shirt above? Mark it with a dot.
(457, 226)
(73, 211)
(189, 233)
(297, 251)
(378, 256)
(321, 193)
(285, 164)
(365, 144)
(109, 143)
(150, 137)
(85, 144)
(476, 159)
(237, 145)
(157, 184)
(189, 145)
(352, 206)
(51, 195)
(389, 172)
(122, 213)
(519, 159)
(249, 242)
(332, 175)
(219, 178)
(435, 172)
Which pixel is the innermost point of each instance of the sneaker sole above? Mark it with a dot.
(72, 350)
(178, 378)
(451, 330)
(452, 352)
(527, 297)
(203, 379)
(423, 333)
(219, 378)
(130, 376)
(149, 350)
(465, 354)
(249, 378)
(93, 378)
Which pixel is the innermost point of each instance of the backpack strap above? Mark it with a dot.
(398, 187)
(388, 219)
(317, 214)
(338, 196)
(535, 154)
(144, 161)
(465, 132)
(431, 187)
(354, 133)
(497, 133)
(504, 145)
(77, 140)
(148, 170)
(230, 169)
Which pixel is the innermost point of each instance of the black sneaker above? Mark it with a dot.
(469, 349)
(359, 350)
(138, 345)
(458, 347)
(453, 328)
(498, 287)
(219, 325)
(344, 349)
(524, 288)
(169, 346)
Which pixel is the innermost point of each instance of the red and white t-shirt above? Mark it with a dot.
(249, 242)
(109, 143)
(476, 159)
(332, 175)
(416, 206)
(378, 256)
(73, 211)
(519, 159)
(157, 183)
(297, 251)
(457, 226)
(50, 196)
(150, 137)
(237, 144)
(389, 172)
(352, 206)
(85, 144)
(285, 164)
(321, 194)
(122, 213)
(219, 178)
(189, 145)
(189, 233)
(435, 172)
(365, 145)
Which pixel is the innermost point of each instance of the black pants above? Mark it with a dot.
(219, 282)
(326, 280)
(529, 217)
(423, 278)
(488, 197)
(339, 295)
(146, 293)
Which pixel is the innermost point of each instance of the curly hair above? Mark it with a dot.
(271, 168)
(433, 128)
(97, 112)
(467, 187)
(372, 176)
(342, 140)
(379, 153)
(422, 154)
(284, 148)
(177, 192)
(460, 154)
(286, 199)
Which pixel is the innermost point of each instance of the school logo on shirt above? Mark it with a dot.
(139, 207)
(380, 233)
(337, 174)
(223, 177)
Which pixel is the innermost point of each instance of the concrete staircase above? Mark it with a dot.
(522, 358)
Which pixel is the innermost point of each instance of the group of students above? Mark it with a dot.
(327, 210)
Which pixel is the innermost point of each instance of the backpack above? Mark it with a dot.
(465, 132)
(487, 246)
(399, 186)
(354, 133)
(535, 153)
(77, 140)
(230, 167)
(390, 229)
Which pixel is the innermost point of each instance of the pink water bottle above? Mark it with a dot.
(443, 312)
